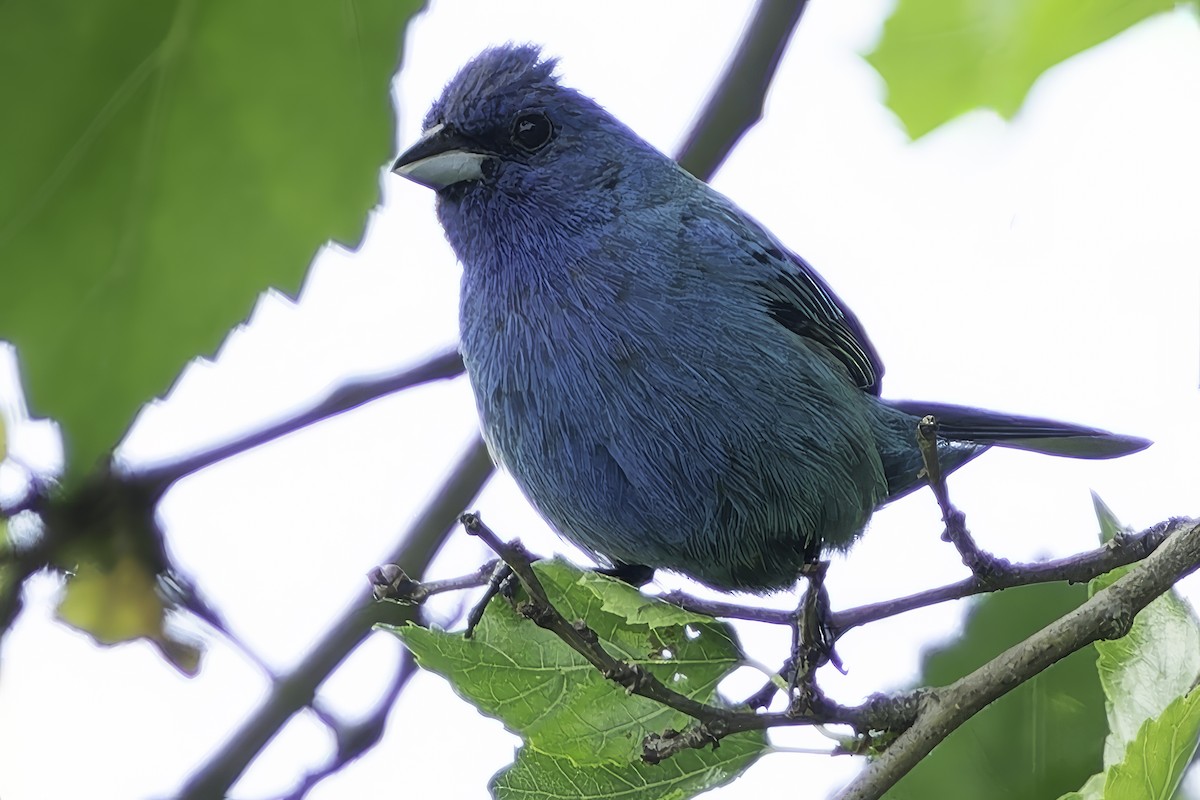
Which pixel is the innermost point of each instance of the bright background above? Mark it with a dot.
(1045, 266)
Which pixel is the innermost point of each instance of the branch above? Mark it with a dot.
(297, 689)
(1078, 568)
(737, 103)
(344, 398)
(389, 582)
(578, 636)
(713, 723)
(1107, 615)
(1073, 569)
(355, 740)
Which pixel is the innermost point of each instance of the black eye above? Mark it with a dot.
(532, 130)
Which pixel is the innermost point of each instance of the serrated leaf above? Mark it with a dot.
(572, 719)
(537, 776)
(1041, 739)
(164, 163)
(621, 599)
(941, 58)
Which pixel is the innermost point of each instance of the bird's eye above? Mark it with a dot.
(532, 130)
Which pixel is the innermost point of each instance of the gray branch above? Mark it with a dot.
(736, 104)
(1107, 615)
(296, 690)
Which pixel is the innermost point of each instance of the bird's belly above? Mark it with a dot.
(642, 452)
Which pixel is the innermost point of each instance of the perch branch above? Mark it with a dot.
(1073, 569)
(736, 104)
(1107, 615)
(713, 723)
(296, 690)
(354, 740)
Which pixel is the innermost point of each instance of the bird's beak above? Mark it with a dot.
(441, 157)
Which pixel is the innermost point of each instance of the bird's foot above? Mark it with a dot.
(504, 583)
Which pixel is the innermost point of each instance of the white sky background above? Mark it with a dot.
(1048, 266)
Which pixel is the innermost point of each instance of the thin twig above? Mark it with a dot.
(392, 583)
(736, 104)
(580, 638)
(296, 689)
(355, 740)
(1107, 615)
(1073, 569)
(983, 565)
(344, 398)
(713, 723)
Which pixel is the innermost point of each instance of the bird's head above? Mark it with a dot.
(505, 125)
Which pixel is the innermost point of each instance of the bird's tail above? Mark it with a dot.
(975, 425)
(965, 432)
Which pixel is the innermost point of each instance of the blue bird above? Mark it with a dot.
(668, 384)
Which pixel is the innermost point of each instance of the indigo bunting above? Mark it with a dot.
(668, 384)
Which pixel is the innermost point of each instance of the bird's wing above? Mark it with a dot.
(790, 289)
(798, 298)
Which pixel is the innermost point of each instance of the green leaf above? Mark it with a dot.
(537, 776)
(574, 721)
(1157, 758)
(1149, 678)
(1093, 789)
(1145, 671)
(941, 58)
(163, 164)
(1110, 526)
(1159, 755)
(1041, 739)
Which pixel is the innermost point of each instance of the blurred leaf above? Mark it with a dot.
(6, 567)
(113, 605)
(573, 720)
(942, 58)
(1043, 738)
(163, 164)
(121, 604)
(105, 536)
